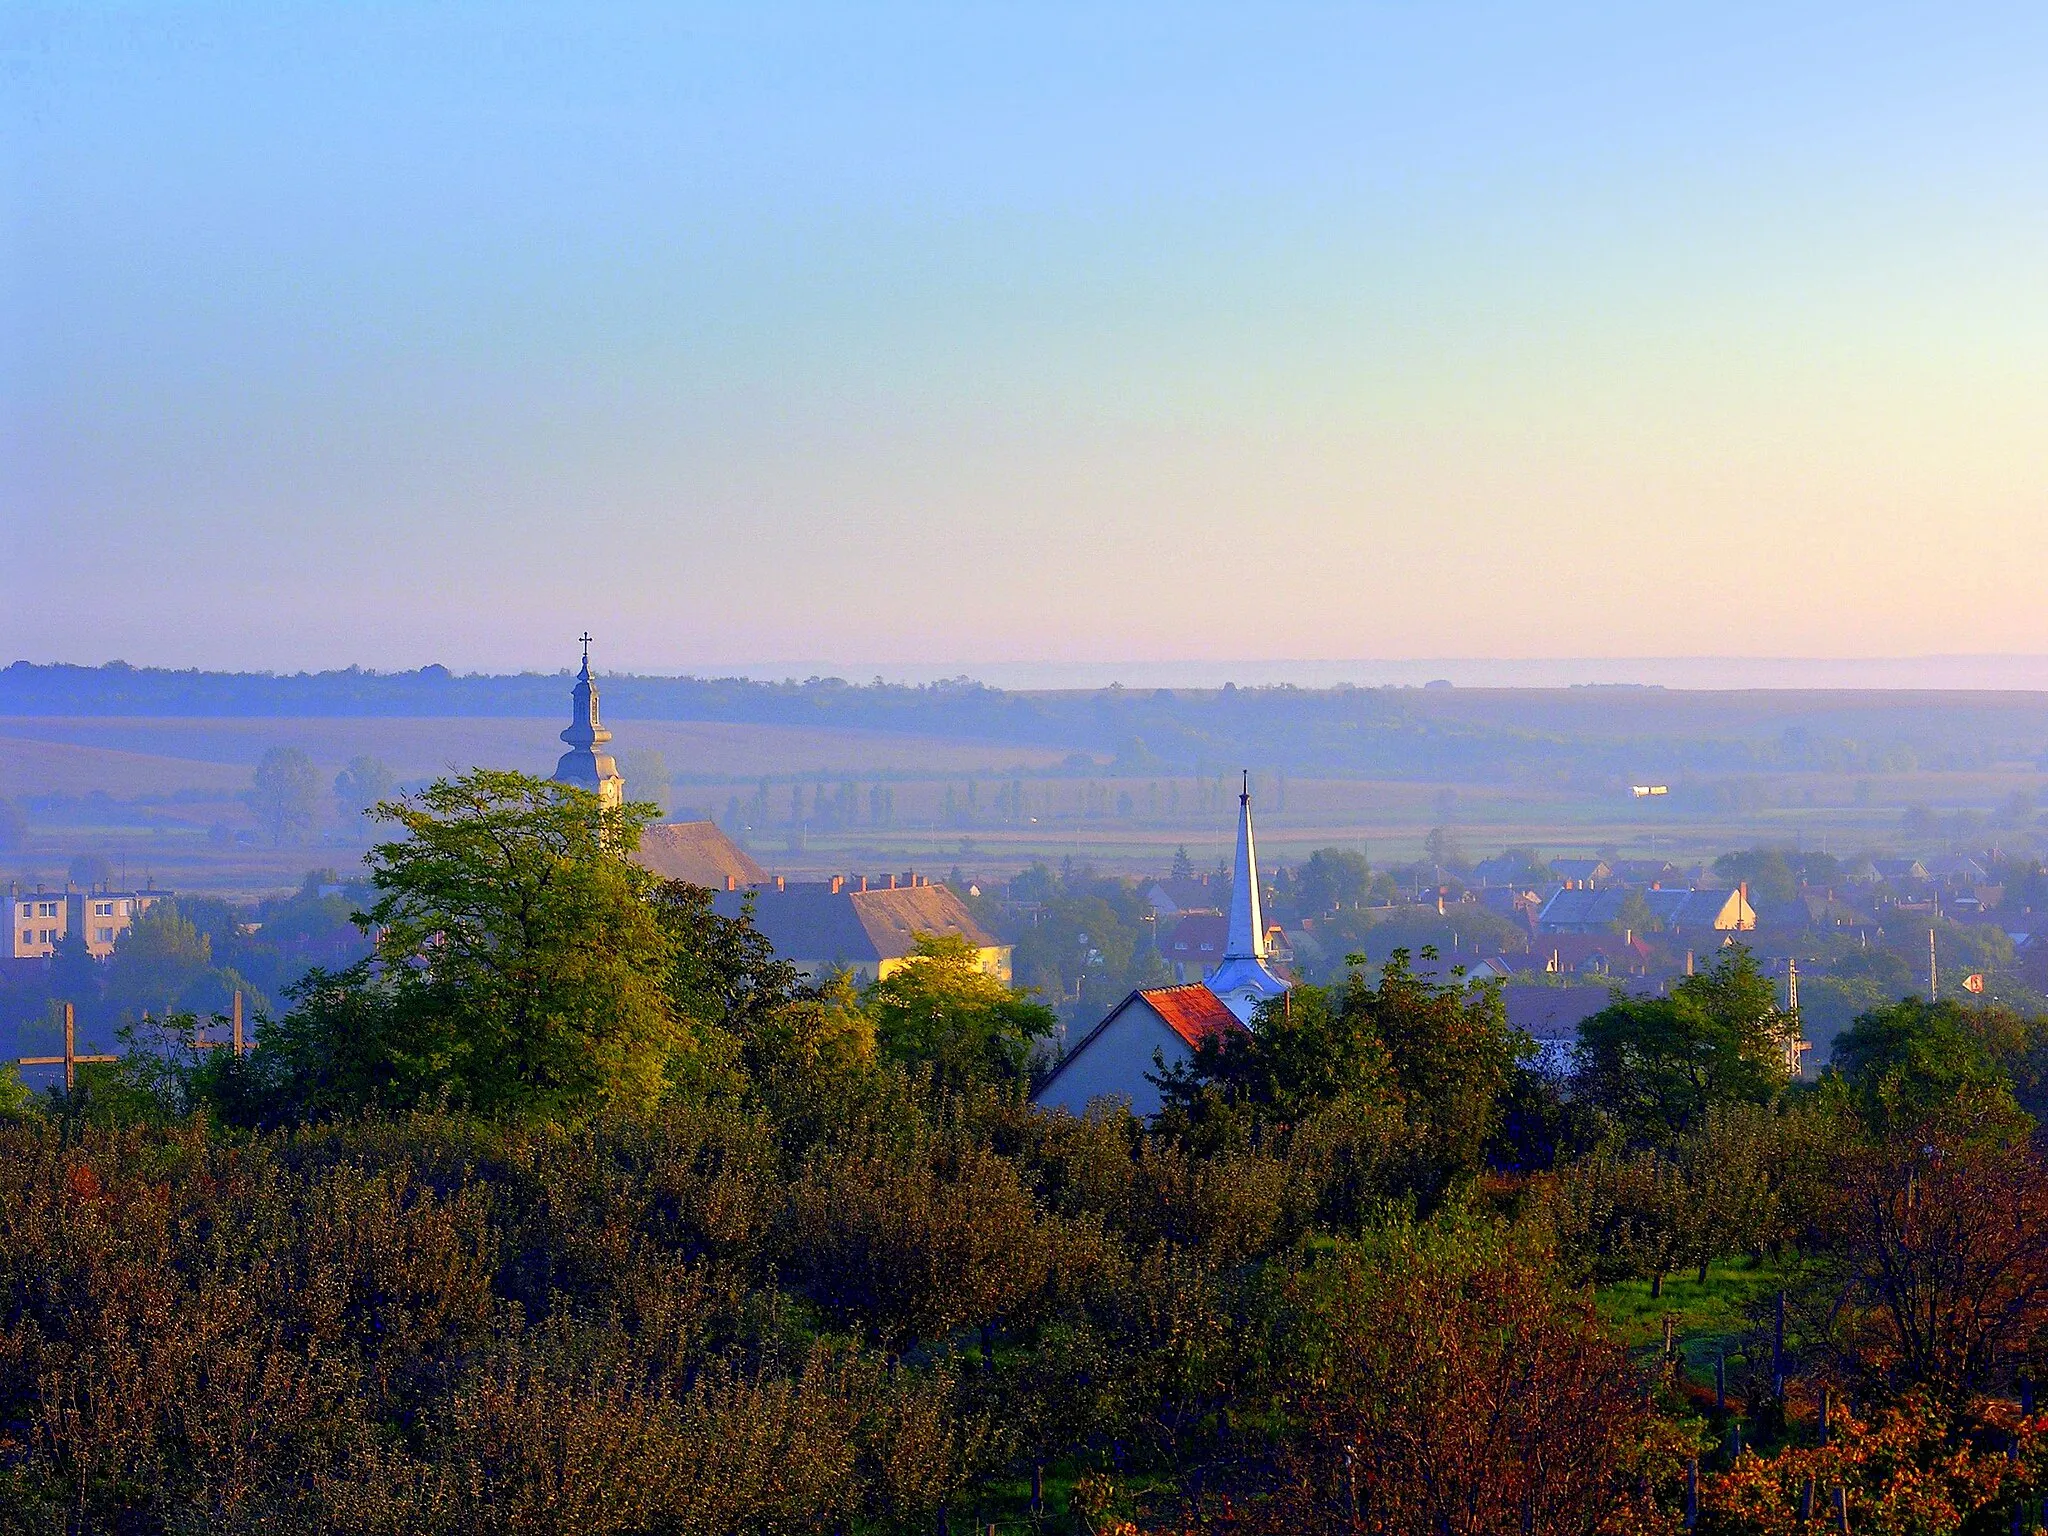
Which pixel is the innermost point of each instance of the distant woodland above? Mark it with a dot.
(1383, 732)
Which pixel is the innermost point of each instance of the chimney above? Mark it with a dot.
(863, 883)
(732, 882)
(838, 884)
(779, 885)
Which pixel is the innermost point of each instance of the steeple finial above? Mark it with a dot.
(585, 638)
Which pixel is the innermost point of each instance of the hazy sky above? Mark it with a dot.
(392, 333)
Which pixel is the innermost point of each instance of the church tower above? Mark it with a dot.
(586, 764)
(1243, 980)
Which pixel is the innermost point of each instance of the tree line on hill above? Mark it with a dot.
(571, 1208)
(1343, 730)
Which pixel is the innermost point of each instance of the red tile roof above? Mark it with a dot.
(1193, 1012)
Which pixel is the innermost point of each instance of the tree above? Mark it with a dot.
(1444, 1382)
(1183, 866)
(1934, 1243)
(520, 966)
(1654, 1065)
(90, 870)
(943, 1011)
(284, 794)
(1906, 1060)
(1332, 878)
(360, 786)
(1767, 871)
(156, 960)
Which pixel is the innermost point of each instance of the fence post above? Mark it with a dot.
(238, 1022)
(70, 1047)
(1806, 1499)
(1841, 1510)
(1692, 1492)
(1827, 1403)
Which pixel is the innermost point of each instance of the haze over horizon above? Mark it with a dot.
(1035, 335)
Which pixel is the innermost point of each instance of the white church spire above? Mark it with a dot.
(1243, 980)
(1247, 937)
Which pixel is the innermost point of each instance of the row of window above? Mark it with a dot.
(52, 908)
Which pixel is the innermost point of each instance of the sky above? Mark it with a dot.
(1021, 337)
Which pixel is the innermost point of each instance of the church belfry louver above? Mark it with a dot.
(586, 764)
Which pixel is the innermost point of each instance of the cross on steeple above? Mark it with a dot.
(585, 638)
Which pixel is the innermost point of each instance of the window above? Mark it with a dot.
(103, 935)
(28, 909)
(103, 909)
(28, 935)
(47, 909)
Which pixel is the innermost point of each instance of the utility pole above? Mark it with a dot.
(1791, 983)
(1933, 976)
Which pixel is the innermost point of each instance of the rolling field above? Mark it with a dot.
(161, 798)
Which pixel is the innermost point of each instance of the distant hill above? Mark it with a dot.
(1586, 734)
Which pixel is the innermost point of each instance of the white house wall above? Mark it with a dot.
(1115, 1064)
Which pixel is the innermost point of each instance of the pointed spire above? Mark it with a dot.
(1246, 939)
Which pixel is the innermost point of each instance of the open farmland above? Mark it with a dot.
(161, 795)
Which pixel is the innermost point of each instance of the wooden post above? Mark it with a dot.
(70, 1059)
(1841, 1510)
(1667, 1338)
(1827, 1403)
(1692, 1492)
(238, 1051)
(1037, 1490)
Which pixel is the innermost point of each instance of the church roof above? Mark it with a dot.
(697, 851)
(815, 923)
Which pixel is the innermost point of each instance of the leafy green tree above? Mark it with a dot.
(159, 957)
(360, 786)
(1441, 1054)
(1332, 878)
(1767, 870)
(942, 1011)
(1908, 1060)
(284, 794)
(89, 870)
(1655, 1065)
(519, 966)
(1635, 916)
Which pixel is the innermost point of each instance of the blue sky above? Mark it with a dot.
(1021, 334)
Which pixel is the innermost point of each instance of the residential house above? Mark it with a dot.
(1582, 909)
(867, 928)
(1695, 911)
(1585, 874)
(1117, 1059)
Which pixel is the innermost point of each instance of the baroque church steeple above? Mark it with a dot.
(1243, 980)
(586, 764)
